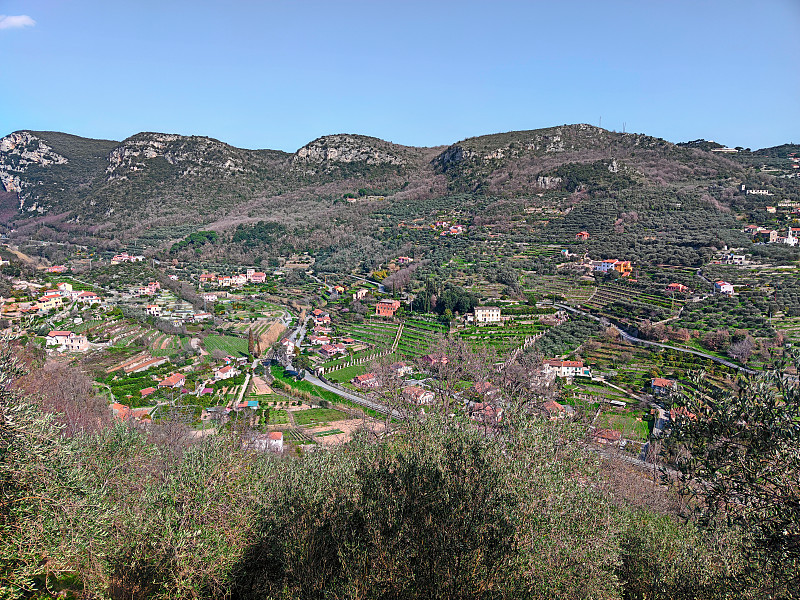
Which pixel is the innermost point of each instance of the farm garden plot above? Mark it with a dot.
(623, 301)
(502, 338)
(418, 337)
(375, 333)
(228, 344)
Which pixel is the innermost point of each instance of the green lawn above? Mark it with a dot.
(346, 374)
(315, 416)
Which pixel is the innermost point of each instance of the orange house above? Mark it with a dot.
(387, 308)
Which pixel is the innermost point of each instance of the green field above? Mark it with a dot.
(317, 416)
(346, 374)
(227, 343)
(627, 424)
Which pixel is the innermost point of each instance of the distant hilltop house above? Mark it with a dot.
(56, 269)
(583, 235)
(623, 267)
(487, 314)
(723, 287)
(568, 368)
(125, 257)
(360, 294)
(404, 260)
(661, 387)
(67, 341)
(677, 287)
(734, 259)
(387, 308)
(725, 150)
(268, 442)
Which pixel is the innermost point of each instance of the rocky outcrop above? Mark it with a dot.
(193, 154)
(326, 152)
(19, 151)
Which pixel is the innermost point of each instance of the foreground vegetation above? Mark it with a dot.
(439, 510)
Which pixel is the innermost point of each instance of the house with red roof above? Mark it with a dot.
(583, 235)
(418, 395)
(661, 387)
(175, 380)
(677, 287)
(568, 368)
(608, 436)
(723, 287)
(225, 372)
(365, 381)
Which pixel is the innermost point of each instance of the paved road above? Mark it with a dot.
(352, 397)
(633, 339)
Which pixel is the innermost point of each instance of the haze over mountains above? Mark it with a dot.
(156, 181)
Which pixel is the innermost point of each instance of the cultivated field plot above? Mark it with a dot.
(502, 338)
(630, 423)
(553, 285)
(418, 337)
(313, 417)
(625, 301)
(233, 346)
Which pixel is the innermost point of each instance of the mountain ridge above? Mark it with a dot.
(152, 179)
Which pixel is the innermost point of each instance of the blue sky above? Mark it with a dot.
(279, 74)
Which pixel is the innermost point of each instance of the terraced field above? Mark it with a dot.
(624, 301)
(502, 338)
(418, 337)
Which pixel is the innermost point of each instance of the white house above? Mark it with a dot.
(67, 341)
(568, 368)
(226, 373)
(269, 442)
(487, 314)
(723, 287)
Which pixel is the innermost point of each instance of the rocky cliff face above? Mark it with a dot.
(323, 154)
(20, 150)
(194, 155)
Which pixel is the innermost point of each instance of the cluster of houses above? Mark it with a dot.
(623, 267)
(773, 236)
(448, 228)
(56, 299)
(238, 280)
(126, 258)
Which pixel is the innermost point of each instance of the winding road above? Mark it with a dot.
(635, 340)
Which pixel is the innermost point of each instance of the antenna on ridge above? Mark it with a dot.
(623, 127)
(601, 122)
